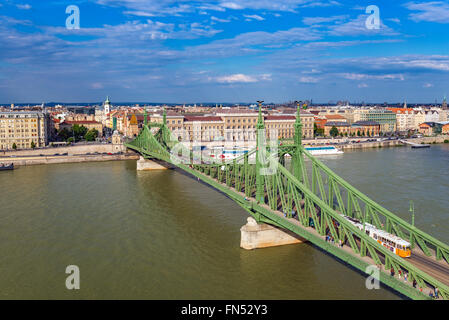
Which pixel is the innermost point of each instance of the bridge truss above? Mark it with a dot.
(309, 199)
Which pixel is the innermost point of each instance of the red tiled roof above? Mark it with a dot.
(334, 116)
(207, 118)
(280, 117)
(81, 122)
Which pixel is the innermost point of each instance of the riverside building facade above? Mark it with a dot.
(23, 129)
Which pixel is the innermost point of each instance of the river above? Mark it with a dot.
(164, 235)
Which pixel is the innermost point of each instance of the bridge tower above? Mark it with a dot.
(260, 148)
(297, 156)
(145, 116)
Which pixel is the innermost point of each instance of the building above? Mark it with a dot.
(430, 128)
(234, 125)
(335, 118)
(342, 127)
(204, 128)
(405, 118)
(239, 124)
(386, 118)
(359, 128)
(23, 129)
(445, 129)
(366, 128)
(87, 121)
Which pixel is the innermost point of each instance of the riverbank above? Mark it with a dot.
(35, 160)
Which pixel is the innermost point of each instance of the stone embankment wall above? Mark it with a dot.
(70, 150)
(74, 154)
(68, 159)
(377, 144)
(428, 140)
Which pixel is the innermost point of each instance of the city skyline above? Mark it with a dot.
(233, 51)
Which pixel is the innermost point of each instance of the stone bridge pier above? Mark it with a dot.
(149, 165)
(255, 235)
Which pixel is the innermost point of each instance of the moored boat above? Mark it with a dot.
(317, 151)
(6, 166)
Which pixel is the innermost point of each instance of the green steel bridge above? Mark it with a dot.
(310, 200)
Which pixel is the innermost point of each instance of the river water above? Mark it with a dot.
(164, 235)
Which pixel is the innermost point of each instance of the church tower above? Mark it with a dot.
(107, 106)
(444, 106)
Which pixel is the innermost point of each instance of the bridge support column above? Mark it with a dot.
(148, 165)
(254, 236)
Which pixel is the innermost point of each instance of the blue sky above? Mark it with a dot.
(223, 51)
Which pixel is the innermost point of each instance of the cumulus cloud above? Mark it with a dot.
(434, 11)
(240, 78)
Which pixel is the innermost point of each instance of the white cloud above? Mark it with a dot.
(235, 78)
(241, 78)
(219, 20)
(318, 20)
(231, 5)
(308, 80)
(361, 76)
(253, 17)
(358, 27)
(427, 85)
(139, 13)
(97, 85)
(23, 6)
(434, 11)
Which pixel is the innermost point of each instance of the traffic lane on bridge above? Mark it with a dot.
(430, 266)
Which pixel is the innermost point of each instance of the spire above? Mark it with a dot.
(164, 116)
(107, 100)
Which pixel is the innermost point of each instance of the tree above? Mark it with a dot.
(358, 133)
(79, 131)
(334, 131)
(33, 145)
(64, 134)
(91, 135)
(14, 146)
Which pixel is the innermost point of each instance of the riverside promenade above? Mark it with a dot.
(68, 154)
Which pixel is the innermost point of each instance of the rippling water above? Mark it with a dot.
(163, 235)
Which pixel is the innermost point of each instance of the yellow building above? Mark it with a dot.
(23, 128)
(284, 124)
